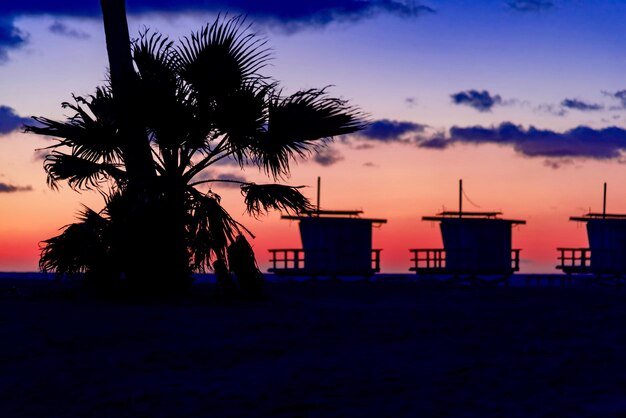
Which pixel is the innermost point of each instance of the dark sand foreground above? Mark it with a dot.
(316, 349)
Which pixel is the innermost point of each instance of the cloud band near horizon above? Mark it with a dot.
(582, 142)
(10, 188)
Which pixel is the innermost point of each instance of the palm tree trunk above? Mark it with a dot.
(143, 231)
(137, 155)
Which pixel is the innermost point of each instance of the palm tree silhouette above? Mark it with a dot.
(197, 102)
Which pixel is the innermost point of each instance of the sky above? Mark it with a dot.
(525, 100)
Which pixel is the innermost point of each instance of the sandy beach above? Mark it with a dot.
(315, 349)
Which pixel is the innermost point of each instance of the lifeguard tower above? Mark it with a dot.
(605, 257)
(334, 242)
(477, 246)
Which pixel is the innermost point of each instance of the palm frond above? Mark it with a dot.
(162, 95)
(261, 198)
(91, 133)
(117, 204)
(210, 228)
(81, 174)
(220, 57)
(242, 118)
(155, 56)
(297, 124)
(78, 248)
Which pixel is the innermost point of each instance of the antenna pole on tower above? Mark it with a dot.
(319, 187)
(460, 198)
(604, 203)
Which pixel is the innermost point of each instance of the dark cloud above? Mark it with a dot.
(558, 148)
(10, 121)
(619, 95)
(386, 130)
(410, 101)
(213, 175)
(530, 5)
(580, 105)
(437, 142)
(10, 38)
(328, 156)
(318, 11)
(10, 188)
(288, 15)
(482, 101)
(555, 164)
(551, 109)
(361, 146)
(228, 161)
(230, 177)
(580, 142)
(62, 29)
(300, 14)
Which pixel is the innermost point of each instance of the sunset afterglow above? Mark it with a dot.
(523, 101)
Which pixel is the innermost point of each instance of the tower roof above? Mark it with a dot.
(470, 215)
(333, 214)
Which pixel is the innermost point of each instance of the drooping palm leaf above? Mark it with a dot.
(81, 174)
(78, 248)
(210, 228)
(261, 198)
(298, 122)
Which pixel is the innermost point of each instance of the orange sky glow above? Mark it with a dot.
(403, 185)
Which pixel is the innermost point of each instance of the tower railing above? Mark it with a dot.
(574, 260)
(293, 260)
(433, 261)
(287, 259)
(428, 260)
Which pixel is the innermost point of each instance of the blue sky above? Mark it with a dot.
(398, 59)
(535, 90)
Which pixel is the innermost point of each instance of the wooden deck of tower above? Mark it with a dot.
(476, 245)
